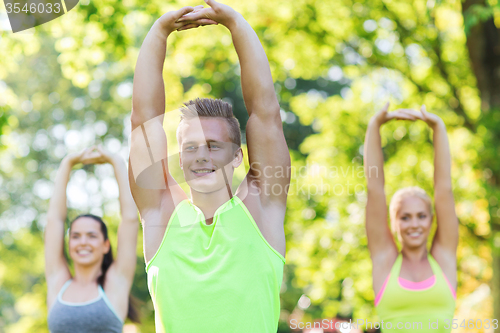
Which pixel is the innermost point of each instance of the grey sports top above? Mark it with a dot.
(95, 316)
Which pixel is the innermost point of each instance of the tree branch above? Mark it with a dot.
(404, 34)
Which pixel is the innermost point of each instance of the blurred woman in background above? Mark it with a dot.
(412, 286)
(96, 298)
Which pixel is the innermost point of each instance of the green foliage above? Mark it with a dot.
(334, 63)
(3, 118)
(479, 13)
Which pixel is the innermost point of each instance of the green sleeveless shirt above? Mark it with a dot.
(411, 311)
(217, 278)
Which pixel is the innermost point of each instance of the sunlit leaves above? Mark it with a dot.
(334, 64)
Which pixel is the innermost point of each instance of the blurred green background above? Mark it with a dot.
(67, 84)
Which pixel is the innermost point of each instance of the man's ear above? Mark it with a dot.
(180, 156)
(238, 157)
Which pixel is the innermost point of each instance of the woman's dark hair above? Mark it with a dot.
(133, 313)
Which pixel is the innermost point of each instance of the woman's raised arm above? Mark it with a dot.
(126, 256)
(380, 240)
(56, 266)
(446, 237)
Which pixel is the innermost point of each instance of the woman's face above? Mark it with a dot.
(414, 222)
(86, 242)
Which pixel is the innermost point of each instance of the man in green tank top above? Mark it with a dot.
(214, 261)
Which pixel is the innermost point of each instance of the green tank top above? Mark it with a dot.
(222, 277)
(411, 311)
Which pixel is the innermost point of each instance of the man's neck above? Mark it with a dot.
(210, 202)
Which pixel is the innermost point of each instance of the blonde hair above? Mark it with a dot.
(212, 108)
(400, 195)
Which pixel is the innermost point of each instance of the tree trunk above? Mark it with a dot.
(483, 43)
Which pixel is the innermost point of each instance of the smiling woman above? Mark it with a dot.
(412, 285)
(96, 297)
(408, 204)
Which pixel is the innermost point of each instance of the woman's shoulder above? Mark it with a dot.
(56, 286)
(116, 291)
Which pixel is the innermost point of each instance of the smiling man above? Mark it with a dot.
(214, 261)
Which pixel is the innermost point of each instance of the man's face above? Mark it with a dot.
(205, 148)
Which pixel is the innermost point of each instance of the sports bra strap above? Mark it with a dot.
(108, 303)
(64, 287)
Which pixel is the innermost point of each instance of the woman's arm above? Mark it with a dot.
(120, 275)
(56, 266)
(383, 249)
(380, 240)
(445, 242)
(126, 256)
(446, 237)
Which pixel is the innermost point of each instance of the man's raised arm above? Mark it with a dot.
(256, 80)
(267, 148)
(148, 99)
(148, 172)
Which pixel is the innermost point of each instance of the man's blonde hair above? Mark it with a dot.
(212, 108)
